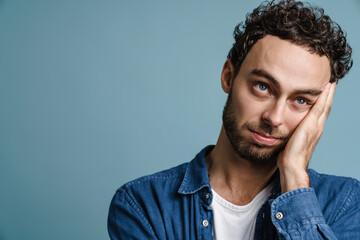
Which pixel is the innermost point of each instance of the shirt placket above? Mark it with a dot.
(205, 218)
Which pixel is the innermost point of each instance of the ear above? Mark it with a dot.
(227, 76)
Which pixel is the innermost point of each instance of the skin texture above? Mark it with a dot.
(278, 102)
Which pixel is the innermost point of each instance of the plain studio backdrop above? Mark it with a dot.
(96, 93)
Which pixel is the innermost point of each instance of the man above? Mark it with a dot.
(280, 77)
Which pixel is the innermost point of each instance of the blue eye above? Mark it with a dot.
(301, 101)
(262, 87)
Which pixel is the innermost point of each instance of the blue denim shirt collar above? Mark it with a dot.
(196, 176)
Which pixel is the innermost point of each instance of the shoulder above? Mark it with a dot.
(139, 206)
(165, 176)
(149, 198)
(147, 189)
(336, 194)
(320, 181)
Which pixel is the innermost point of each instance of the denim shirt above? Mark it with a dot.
(175, 204)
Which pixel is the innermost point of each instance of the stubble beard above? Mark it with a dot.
(253, 152)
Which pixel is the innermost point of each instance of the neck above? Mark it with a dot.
(234, 178)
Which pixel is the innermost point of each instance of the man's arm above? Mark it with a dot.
(298, 215)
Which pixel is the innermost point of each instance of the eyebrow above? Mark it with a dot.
(312, 92)
(264, 74)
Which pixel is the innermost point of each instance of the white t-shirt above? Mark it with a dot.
(236, 222)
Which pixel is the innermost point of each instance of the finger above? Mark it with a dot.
(318, 109)
(330, 99)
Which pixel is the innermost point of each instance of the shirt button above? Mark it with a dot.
(207, 196)
(205, 223)
(279, 215)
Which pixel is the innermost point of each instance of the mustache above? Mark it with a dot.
(262, 127)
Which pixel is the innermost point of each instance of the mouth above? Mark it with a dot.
(264, 139)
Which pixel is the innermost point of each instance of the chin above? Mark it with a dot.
(258, 154)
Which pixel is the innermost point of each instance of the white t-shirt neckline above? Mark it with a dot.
(259, 198)
(233, 221)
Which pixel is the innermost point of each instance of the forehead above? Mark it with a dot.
(293, 66)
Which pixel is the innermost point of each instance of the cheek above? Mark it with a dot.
(247, 108)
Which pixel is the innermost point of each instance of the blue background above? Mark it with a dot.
(96, 93)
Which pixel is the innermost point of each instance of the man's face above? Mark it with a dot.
(276, 86)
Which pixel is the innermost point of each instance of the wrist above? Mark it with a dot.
(292, 179)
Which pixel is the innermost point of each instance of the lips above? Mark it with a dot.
(263, 138)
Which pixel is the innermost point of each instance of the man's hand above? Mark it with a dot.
(294, 160)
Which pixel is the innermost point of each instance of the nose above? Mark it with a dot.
(274, 113)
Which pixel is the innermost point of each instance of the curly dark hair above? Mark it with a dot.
(301, 24)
